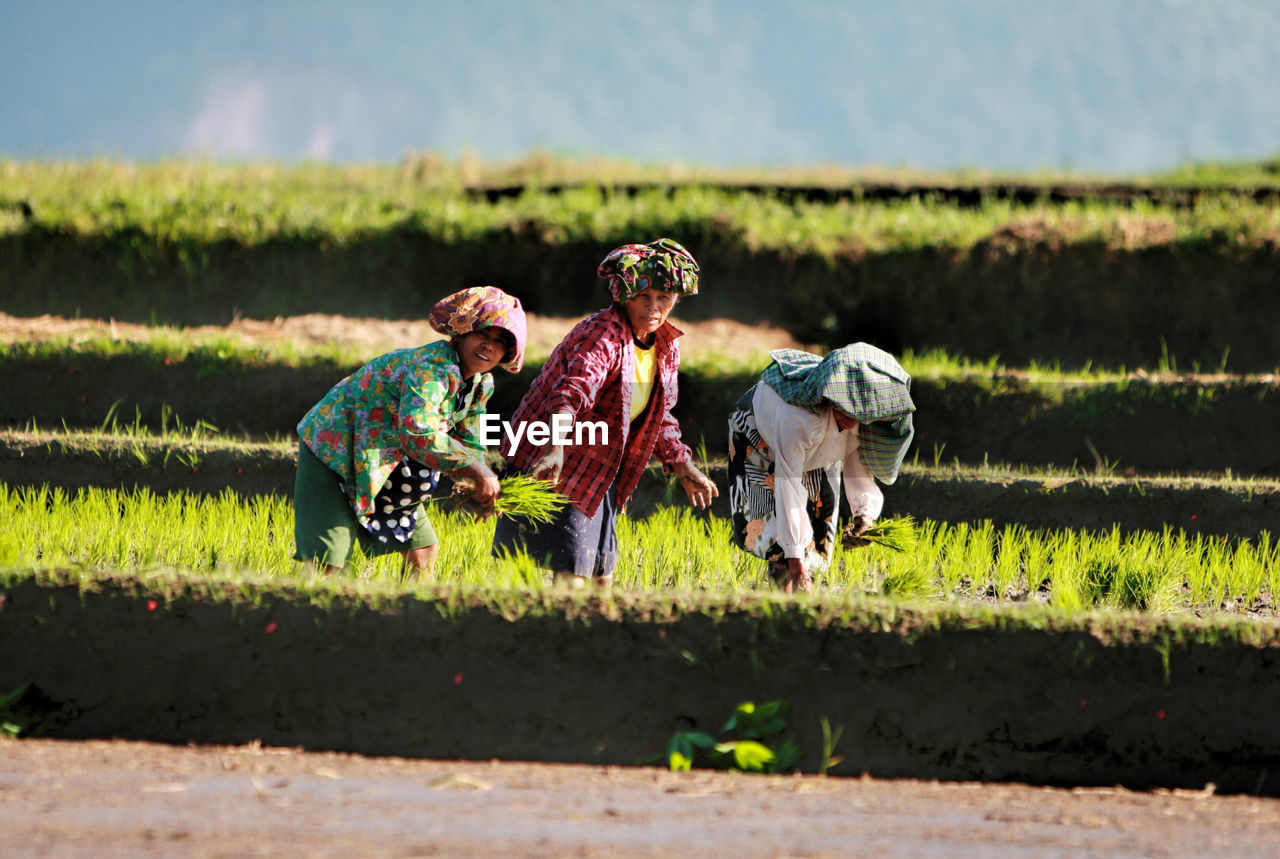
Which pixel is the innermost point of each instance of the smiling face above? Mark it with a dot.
(481, 351)
(647, 310)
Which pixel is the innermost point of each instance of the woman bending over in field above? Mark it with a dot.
(793, 434)
(371, 451)
(616, 371)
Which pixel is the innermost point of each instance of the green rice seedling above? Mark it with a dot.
(911, 575)
(1271, 561)
(979, 556)
(1146, 582)
(1246, 573)
(865, 569)
(514, 572)
(138, 530)
(856, 570)
(14, 724)
(897, 534)
(967, 555)
(1212, 560)
(675, 547)
(1064, 571)
(1037, 564)
(520, 497)
(1099, 561)
(1007, 568)
(910, 581)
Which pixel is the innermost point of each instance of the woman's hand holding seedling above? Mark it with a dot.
(853, 538)
(484, 481)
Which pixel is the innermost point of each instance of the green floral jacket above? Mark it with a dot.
(403, 403)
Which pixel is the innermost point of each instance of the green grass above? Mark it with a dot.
(223, 352)
(158, 209)
(132, 440)
(674, 549)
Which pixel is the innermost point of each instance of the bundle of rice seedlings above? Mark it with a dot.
(521, 497)
(898, 535)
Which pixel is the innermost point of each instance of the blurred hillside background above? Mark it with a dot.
(1099, 86)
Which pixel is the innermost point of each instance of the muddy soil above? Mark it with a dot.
(1145, 426)
(94, 797)
(718, 336)
(1150, 703)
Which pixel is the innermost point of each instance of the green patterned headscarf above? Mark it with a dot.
(860, 380)
(663, 264)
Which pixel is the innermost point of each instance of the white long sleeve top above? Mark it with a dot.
(801, 441)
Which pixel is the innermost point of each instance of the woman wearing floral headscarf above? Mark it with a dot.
(807, 423)
(616, 368)
(371, 451)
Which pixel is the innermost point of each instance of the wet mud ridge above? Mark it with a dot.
(1003, 695)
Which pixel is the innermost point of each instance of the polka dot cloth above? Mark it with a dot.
(395, 513)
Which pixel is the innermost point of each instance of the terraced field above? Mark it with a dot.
(952, 679)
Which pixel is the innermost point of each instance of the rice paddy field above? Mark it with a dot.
(1088, 595)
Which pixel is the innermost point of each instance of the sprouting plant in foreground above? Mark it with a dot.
(521, 497)
(1161, 572)
(13, 724)
(830, 739)
(751, 741)
(898, 534)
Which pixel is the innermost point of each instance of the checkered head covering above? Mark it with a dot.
(865, 383)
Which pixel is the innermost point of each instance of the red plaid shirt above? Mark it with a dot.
(590, 375)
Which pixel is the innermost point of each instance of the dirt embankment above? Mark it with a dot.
(608, 682)
(1027, 292)
(1145, 425)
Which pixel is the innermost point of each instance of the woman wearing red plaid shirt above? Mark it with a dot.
(615, 370)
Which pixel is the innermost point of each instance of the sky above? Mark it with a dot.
(1095, 85)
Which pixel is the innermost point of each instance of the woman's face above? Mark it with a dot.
(842, 420)
(481, 350)
(647, 310)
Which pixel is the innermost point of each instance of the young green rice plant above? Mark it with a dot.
(1037, 564)
(1269, 553)
(910, 575)
(897, 534)
(135, 531)
(1247, 574)
(674, 547)
(979, 556)
(1007, 567)
(1146, 581)
(521, 497)
(966, 555)
(830, 739)
(1099, 567)
(1065, 572)
(1212, 558)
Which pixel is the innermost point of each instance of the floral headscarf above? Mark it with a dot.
(483, 307)
(663, 264)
